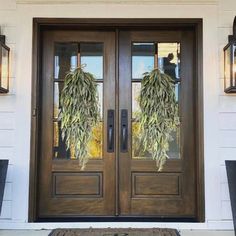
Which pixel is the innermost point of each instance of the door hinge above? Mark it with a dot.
(35, 111)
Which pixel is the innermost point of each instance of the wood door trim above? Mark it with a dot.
(40, 24)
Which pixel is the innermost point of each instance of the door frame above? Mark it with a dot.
(40, 24)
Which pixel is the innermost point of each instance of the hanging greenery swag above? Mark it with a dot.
(159, 114)
(79, 112)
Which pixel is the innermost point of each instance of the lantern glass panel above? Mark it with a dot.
(227, 67)
(4, 69)
(234, 64)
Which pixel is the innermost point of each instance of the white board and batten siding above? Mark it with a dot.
(219, 109)
(227, 108)
(7, 108)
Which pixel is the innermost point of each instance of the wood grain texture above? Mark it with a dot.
(154, 184)
(184, 205)
(78, 184)
(100, 174)
(86, 207)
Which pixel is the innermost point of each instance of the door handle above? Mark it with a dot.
(110, 144)
(110, 131)
(124, 137)
(124, 130)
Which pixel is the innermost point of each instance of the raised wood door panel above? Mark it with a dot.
(143, 190)
(65, 190)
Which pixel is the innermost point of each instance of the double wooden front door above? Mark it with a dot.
(120, 178)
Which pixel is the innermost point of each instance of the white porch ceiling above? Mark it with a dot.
(162, 2)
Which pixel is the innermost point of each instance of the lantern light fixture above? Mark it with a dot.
(4, 65)
(230, 62)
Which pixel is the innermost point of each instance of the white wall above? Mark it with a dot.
(219, 109)
(7, 107)
(227, 108)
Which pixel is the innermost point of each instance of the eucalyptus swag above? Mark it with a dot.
(159, 114)
(79, 112)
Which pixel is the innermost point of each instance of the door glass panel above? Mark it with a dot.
(95, 144)
(65, 59)
(59, 147)
(100, 98)
(142, 59)
(92, 58)
(57, 89)
(169, 63)
(169, 59)
(136, 87)
(91, 55)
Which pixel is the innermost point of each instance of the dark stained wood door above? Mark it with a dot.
(65, 190)
(122, 182)
(144, 191)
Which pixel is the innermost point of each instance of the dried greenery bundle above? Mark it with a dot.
(159, 114)
(79, 112)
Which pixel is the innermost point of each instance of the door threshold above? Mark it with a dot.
(117, 219)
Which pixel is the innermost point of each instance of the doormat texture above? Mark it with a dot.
(115, 232)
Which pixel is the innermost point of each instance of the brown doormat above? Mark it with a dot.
(115, 232)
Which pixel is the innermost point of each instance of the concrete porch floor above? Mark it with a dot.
(183, 233)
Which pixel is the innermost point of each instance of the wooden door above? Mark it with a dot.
(121, 181)
(170, 193)
(65, 190)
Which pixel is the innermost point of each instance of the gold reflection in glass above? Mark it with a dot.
(136, 88)
(95, 144)
(56, 138)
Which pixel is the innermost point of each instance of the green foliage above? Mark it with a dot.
(79, 112)
(159, 114)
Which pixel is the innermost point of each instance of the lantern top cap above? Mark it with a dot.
(232, 38)
(2, 42)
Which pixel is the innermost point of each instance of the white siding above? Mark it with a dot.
(7, 105)
(227, 107)
(6, 210)
(228, 121)
(7, 198)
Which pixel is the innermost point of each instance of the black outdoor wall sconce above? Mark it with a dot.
(230, 62)
(4, 65)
